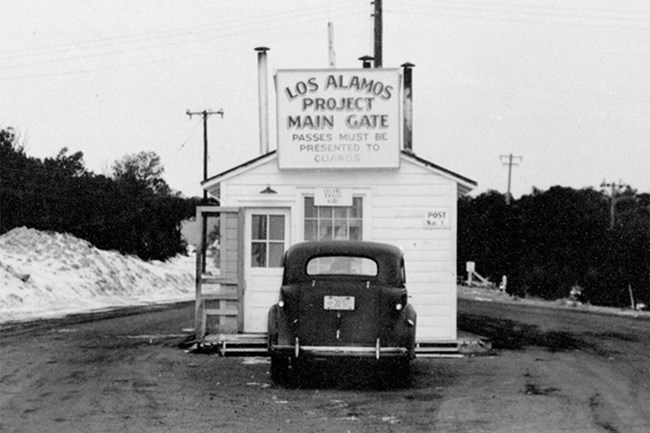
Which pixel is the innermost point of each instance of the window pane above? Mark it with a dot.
(324, 212)
(276, 250)
(319, 265)
(310, 230)
(276, 227)
(310, 209)
(258, 224)
(340, 212)
(342, 265)
(258, 254)
(341, 230)
(357, 208)
(325, 230)
(355, 230)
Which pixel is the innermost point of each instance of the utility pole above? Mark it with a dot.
(377, 15)
(615, 188)
(205, 114)
(512, 160)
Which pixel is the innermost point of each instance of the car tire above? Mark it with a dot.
(398, 373)
(301, 373)
(279, 369)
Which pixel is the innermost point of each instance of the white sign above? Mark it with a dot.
(437, 219)
(338, 118)
(333, 197)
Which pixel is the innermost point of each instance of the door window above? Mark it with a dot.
(267, 240)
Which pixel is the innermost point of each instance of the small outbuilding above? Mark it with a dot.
(344, 169)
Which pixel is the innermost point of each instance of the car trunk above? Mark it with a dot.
(338, 313)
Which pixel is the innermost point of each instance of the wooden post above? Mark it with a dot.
(629, 288)
(378, 33)
(199, 324)
(241, 281)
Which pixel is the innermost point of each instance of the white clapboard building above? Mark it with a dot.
(343, 168)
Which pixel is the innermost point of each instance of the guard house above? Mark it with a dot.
(343, 168)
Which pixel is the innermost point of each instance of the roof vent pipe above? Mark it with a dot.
(366, 61)
(407, 104)
(263, 93)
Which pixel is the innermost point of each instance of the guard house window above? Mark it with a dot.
(267, 241)
(333, 222)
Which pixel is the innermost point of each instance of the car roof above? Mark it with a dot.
(388, 258)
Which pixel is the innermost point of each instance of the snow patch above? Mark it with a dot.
(47, 274)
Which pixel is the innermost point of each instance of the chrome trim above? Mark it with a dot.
(364, 351)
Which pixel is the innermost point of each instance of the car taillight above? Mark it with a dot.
(289, 301)
(396, 301)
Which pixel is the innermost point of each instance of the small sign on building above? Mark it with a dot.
(333, 197)
(437, 219)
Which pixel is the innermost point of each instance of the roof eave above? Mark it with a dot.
(215, 180)
(465, 184)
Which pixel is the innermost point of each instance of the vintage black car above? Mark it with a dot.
(341, 299)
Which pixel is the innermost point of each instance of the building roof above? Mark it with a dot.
(465, 184)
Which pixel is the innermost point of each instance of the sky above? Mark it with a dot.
(561, 86)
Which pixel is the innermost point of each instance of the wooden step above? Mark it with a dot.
(219, 280)
(237, 344)
(219, 297)
(220, 312)
(439, 349)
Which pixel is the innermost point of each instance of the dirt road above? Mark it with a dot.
(552, 372)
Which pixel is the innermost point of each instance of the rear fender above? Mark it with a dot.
(278, 327)
(402, 331)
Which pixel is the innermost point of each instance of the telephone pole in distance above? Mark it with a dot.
(512, 160)
(613, 198)
(205, 114)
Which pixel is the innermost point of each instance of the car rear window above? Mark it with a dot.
(342, 265)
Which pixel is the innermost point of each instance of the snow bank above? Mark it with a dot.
(53, 274)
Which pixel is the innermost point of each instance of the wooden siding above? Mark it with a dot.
(230, 239)
(395, 202)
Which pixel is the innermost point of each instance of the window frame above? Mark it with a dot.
(267, 241)
(330, 217)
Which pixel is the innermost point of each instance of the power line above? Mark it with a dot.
(525, 14)
(112, 50)
(236, 27)
(534, 10)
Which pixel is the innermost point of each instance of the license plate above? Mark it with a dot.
(339, 303)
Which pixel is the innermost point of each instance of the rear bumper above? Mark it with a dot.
(296, 351)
